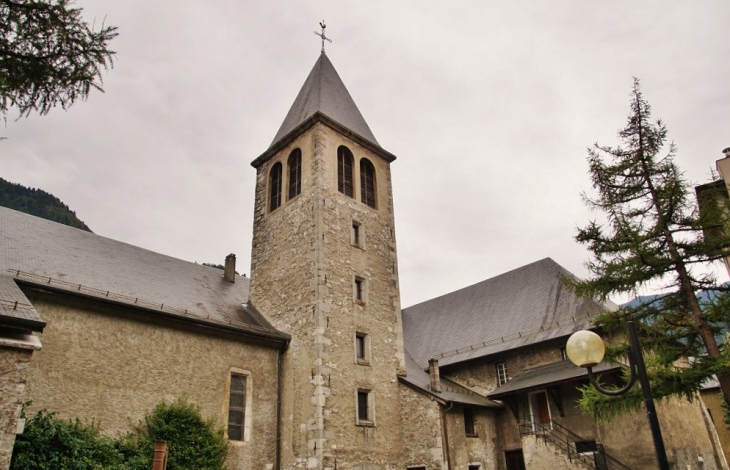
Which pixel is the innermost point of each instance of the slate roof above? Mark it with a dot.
(324, 92)
(525, 306)
(545, 375)
(15, 308)
(40, 252)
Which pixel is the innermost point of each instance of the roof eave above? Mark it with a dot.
(309, 122)
(31, 325)
(280, 339)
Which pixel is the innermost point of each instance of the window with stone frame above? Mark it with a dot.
(362, 348)
(275, 177)
(356, 234)
(294, 170)
(367, 182)
(237, 407)
(502, 377)
(359, 294)
(345, 163)
(365, 407)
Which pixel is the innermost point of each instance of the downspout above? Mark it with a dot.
(445, 433)
(279, 373)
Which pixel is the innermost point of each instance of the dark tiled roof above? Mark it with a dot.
(528, 305)
(324, 92)
(549, 374)
(450, 390)
(41, 252)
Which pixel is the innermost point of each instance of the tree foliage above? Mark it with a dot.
(653, 237)
(50, 443)
(49, 56)
(39, 203)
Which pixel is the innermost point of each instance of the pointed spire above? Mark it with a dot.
(324, 92)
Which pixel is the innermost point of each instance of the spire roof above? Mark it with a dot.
(324, 92)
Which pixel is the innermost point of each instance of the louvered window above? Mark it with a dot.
(237, 407)
(344, 171)
(275, 186)
(294, 165)
(367, 182)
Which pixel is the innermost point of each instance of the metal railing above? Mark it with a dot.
(565, 440)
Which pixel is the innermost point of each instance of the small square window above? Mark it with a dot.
(514, 459)
(365, 408)
(362, 348)
(474, 466)
(360, 290)
(356, 234)
(469, 428)
(502, 376)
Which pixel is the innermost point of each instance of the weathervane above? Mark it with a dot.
(324, 38)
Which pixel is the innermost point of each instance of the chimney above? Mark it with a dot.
(433, 373)
(229, 273)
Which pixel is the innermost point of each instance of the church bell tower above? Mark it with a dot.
(324, 269)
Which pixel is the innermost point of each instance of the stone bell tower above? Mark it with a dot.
(324, 269)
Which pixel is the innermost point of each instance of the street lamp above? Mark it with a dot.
(586, 349)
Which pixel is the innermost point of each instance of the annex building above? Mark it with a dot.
(311, 363)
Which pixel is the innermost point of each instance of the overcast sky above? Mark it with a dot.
(489, 107)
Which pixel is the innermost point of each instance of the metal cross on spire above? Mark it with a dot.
(324, 38)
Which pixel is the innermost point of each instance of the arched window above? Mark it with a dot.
(367, 182)
(294, 166)
(275, 186)
(344, 171)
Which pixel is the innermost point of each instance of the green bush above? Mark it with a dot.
(49, 443)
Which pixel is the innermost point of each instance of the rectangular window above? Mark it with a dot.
(474, 466)
(469, 428)
(502, 377)
(514, 460)
(359, 290)
(365, 408)
(586, 447)
(362, 348)
(356, 235)
(237, 407)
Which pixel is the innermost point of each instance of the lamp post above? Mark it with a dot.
(586, 349)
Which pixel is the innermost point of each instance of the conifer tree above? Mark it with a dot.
(655, 237)
(49, 56)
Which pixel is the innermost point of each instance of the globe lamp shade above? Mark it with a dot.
(585, 348)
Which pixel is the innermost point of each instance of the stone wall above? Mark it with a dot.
(303, 270)
(14, 363)
(422, 435)
(111, 365)
(480, 449)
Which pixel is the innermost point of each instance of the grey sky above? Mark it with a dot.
(489, 107)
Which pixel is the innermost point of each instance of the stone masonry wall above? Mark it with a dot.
(104, 364)
(303, 269)
(422, 437)
(482, 449)
(14, 363)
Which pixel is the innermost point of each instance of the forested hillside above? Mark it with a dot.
(39, 203)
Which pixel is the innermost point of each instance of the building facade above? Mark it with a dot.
(311, 363)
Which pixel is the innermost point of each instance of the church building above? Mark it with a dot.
(311, 363)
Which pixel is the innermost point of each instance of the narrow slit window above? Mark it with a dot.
(237, 407)
(359, 290)
(344, 171)
(294, 165)
(367, 182)
(362, 348)
(469, 428)
(275, 186)
(356, 234)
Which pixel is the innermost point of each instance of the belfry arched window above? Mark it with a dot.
(367, 182)
(275, 186)
(294, 170)
(344, 171)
